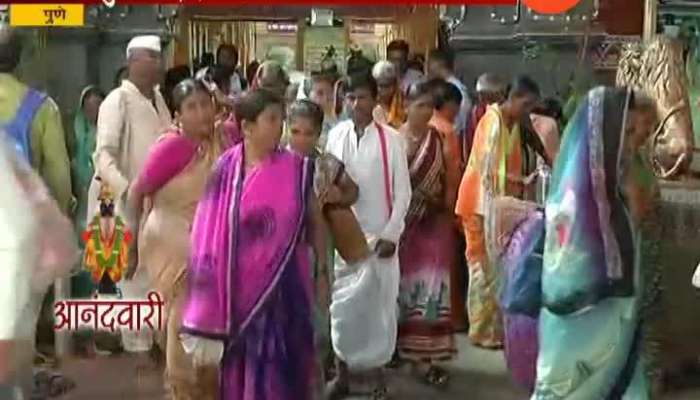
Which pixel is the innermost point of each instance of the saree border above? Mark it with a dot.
(613, 261)
(223, 334)
(282, 260)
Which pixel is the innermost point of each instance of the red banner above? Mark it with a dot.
(317, 3)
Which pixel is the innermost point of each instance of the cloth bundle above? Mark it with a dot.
(696, 277)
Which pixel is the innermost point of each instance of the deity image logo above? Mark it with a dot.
(551, 6)
(106, 244)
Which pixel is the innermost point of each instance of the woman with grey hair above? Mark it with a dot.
(272, 76)
(390, 108)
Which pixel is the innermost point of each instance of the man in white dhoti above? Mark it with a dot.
(131, 119)
(364, 300)
(36, 247)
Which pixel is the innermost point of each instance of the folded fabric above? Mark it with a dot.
(696, 277)
(521, 292)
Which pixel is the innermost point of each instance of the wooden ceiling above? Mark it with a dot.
(265, 13)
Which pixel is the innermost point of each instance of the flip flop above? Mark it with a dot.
(60, 385)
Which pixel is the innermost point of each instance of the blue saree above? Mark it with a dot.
(599, 278)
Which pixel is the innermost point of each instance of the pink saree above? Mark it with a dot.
(426, 256)
(250, 282)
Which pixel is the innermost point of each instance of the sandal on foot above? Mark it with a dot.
(60, 385)
(395, 363)
(437, 377)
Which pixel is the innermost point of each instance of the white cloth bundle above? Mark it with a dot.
(364, 311)
(205, 352)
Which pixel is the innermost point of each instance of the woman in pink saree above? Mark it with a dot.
(426, 252)
(250, 300)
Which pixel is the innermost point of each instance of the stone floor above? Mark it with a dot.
(477, 375)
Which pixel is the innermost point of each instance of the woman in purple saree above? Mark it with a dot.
(250, 299)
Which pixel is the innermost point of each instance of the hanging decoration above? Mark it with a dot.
(606, 55)
(532, 50)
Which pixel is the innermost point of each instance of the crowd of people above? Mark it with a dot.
(301, 238)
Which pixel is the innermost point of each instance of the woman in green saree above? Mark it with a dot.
(600, 278)
(84, 126)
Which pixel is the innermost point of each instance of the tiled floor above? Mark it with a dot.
(477, 375)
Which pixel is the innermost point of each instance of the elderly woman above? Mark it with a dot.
(600, 282)
(271, 76)
(84, 127)
(390, 102)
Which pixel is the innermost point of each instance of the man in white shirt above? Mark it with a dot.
(397, 53)
(364, 300)
(131, 119)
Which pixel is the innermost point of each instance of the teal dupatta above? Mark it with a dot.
(83, 171)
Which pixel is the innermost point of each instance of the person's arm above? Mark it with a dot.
(450, 155)
(318, 229)
(401, 190)
(110, 128)
(468, 206)
(318, 239)
(476, 244)
(54, 167)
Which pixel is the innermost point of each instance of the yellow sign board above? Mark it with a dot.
(47, 15)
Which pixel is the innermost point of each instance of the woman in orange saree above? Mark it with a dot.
(495, 169)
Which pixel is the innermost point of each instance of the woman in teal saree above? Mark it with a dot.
(84, 126)
(600, 278)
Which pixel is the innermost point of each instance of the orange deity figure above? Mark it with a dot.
(106, 244)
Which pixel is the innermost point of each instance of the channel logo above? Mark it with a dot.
(551, 6)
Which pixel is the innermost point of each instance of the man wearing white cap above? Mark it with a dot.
(130, 120)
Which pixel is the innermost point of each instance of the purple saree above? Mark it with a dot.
(250, 282)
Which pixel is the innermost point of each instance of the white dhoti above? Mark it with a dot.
(364, 311)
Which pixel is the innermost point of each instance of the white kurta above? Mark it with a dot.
(128, 125)
(19, 305)
(364, 300)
